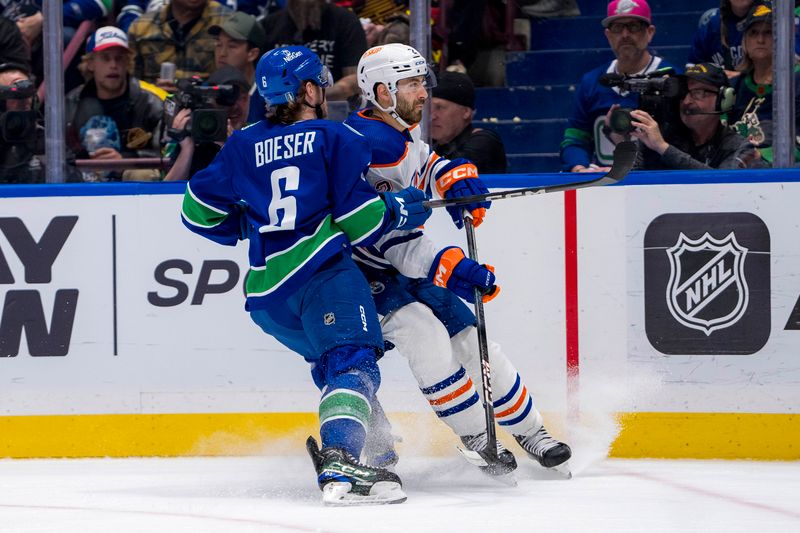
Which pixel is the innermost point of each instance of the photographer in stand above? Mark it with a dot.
(21, 135)
(204, 115)
(700, 140)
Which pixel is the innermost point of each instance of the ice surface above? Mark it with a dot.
(245, 494)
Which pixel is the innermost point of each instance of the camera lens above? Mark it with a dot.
(620, 120)
(206, 123)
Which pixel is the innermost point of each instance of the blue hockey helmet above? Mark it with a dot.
(281, 71)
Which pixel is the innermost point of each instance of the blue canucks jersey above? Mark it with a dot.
(297, 192)
(583, 142)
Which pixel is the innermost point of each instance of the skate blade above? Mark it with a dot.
(563, 470)
(472, 458)
(504, 478)
(337, 494)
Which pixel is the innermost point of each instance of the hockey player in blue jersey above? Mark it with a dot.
(417, 286)
(293, 185)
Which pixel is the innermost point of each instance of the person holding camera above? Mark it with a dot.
(702, 141)
(208, 115)
(629, 30)
(113, 115)
(21, 135)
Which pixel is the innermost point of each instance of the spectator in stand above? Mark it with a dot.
(240, 43)
(752, 112)
(333, 33)
(13, 48)
(452, 110)
(718, 38)
(190, 156)
(629, 30)
(177, 33)
(704, 142)
(133, 106)
(22, 145)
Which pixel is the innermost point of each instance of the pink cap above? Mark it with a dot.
(618, 9)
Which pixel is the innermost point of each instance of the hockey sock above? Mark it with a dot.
(352, 376)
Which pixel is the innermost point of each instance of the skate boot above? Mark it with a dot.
(546, 450)
(495, 464)
(345, 481)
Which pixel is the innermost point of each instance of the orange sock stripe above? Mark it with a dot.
(514, 408)
(456, 393)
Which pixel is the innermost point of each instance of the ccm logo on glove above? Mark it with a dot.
(453, 270)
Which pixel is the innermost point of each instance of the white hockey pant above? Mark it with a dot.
(451, 392)
(514, 409)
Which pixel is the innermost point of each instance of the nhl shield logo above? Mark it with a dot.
(707, 289)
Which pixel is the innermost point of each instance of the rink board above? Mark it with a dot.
(122, 333)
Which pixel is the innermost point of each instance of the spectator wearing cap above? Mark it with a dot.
(703, 142)
(629, 30)
(177, 33)
(718, 37)
(240, 42)
(134, 106)
(190, 156)
(452, 110)
(752, 112)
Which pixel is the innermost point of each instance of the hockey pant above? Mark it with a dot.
(448, 373)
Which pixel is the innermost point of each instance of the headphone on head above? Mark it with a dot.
(726, 97)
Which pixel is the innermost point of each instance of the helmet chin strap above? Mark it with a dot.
(391, 111)
(318, 107)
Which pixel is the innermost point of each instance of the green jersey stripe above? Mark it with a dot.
(281, 266)
(199, 213)
(362, 221)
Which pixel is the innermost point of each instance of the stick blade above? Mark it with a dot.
(624, 158)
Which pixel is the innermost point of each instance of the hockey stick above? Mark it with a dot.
(624, 157)
(483, 346)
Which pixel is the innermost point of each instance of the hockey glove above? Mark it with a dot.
(460, 178)
(453, 270)
(406, 210)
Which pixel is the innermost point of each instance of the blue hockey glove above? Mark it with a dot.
(460, 178)
(406, 209)
(453, 270)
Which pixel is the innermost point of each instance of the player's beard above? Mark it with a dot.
(407, 110)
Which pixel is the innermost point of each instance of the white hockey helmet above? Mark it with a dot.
(388, 64)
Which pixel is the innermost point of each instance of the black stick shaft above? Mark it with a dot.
(624, 158)
(483, 344)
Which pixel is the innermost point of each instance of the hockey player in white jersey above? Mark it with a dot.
(416, 286)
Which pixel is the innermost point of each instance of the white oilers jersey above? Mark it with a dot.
(399, 160)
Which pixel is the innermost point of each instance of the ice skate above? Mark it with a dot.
(476, 452)
(345, 481)
(547, 451)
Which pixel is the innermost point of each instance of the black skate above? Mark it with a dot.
(345, 481)
(546, 450)
(495, 464)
